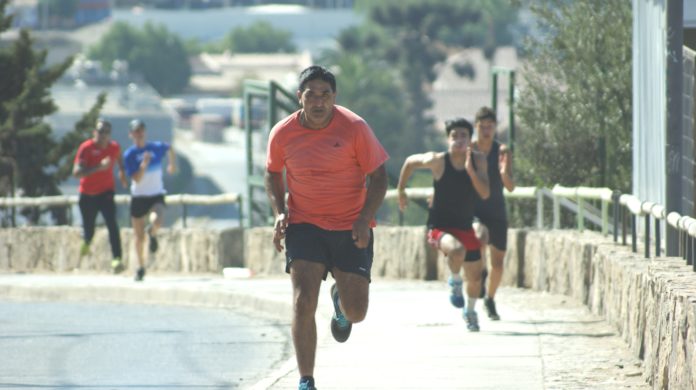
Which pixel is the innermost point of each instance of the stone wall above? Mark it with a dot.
(57, 249)
(651, 302)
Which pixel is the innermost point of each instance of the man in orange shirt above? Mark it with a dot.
(94, 164)
(329, 154)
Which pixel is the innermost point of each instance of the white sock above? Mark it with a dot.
(456, 277)
(470, 303)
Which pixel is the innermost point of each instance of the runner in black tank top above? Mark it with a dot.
(491, 213)
(454, 198)
(459, 177)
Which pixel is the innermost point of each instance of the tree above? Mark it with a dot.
(154, 52)
(259, 37)
(26, 142)
(575, 104)
(404, 38)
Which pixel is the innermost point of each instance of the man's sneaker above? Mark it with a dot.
(340, 326)
(140, 274)
(84, 249)
(471, 321)
(484, 276)
(307, 385)
(117, 266)
(489, 303)
(154, 245)
(456, 296)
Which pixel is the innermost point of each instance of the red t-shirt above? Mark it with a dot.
(89, 155)
(325, 169)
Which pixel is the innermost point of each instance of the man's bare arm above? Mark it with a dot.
(275, 189)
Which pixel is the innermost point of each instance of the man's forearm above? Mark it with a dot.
(275, 189)
(376, 190)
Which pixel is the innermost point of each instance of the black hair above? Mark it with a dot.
(459, 122)
(135, 124)
(102, 123)
(315, 72)
(486, 113)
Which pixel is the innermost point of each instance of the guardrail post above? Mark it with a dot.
(556, 212)
(647, 236)
(615, 200)
(240, 206)
(657, 237)
(605, 217)
(634, 234)
(623, 225)
(540, 209)
(183, 214)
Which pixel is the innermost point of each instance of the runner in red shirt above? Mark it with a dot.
(93, 165)
(336, 180)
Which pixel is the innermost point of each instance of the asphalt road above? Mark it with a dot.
(75, 345)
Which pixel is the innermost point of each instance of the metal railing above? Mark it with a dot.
(173, 199)
(625, 206)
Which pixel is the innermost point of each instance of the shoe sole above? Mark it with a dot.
(339, 334)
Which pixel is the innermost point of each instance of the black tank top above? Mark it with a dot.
(494, 206)
(453, 200)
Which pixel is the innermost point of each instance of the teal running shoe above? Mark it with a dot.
(340, 326)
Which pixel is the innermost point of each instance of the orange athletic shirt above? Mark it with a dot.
(325, 169)
(89, 155)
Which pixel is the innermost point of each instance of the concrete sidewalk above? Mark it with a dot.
(412, 337)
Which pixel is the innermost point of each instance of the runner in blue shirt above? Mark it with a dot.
(143, 164)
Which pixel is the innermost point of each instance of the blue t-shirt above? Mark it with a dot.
(151, 183)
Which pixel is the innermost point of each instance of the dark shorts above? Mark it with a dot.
(141, 205)
(497, 232)
(333, 248)
(466, 237)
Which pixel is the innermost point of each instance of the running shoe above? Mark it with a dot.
(456, 296)
(471, 321)
(117, 265)
(307, 385)
(140, 274)
(489, 303)
(154, 245)
(484, 276)
(340, 326)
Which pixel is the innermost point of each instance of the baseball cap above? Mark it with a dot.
(136, 123)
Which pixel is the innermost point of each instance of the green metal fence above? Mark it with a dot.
(265, 103)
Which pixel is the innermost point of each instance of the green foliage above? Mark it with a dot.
(31, 160)
(259, 37)
(575, 105)
(66, 149)
(372, 90)
(26, 143)
(159, 55)
(402, 39)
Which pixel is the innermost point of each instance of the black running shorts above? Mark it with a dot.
(497, 232)
(141, 205)
(333, 248)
